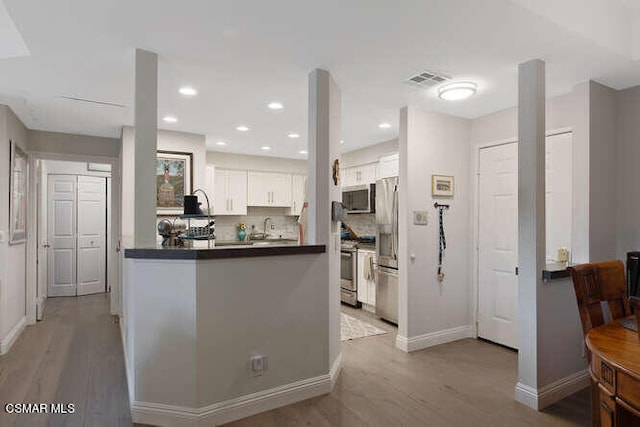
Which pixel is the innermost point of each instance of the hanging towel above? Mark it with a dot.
(369, 273)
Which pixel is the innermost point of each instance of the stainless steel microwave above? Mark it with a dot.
(359, 198)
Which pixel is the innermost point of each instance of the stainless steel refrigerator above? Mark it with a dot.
(387, 249)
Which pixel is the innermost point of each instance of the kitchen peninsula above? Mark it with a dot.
(196, 321)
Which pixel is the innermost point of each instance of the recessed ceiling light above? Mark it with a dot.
(275, 105)
(188, 91)
(384, 125)
(457, 91)
(221, 143)
(293, 135)
(242, 128)
(303, 151)
(341, 142)
(170, 119)
(265, 148)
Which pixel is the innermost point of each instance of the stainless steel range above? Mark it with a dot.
(348, 273)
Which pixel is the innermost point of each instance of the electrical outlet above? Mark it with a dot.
(420, 218)
(258, 365)
(273, 227)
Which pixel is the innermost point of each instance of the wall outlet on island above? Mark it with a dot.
(258, 365)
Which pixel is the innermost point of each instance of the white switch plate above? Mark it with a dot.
(420, 217)
(258, 364)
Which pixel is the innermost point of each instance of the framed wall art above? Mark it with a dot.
(18, 194)
(174, 180)
(442, 186)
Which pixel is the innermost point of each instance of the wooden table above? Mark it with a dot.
(615, 371)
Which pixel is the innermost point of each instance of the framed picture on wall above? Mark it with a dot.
(442, 186)
(18, 194)
(174, 180)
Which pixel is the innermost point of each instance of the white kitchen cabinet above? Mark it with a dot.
(298, 192)
(230, 192)
(366, 287)
(269, 189)
(360, 175)
(389, 166)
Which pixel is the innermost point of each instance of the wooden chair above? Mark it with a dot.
(598, 282)
(595, 283)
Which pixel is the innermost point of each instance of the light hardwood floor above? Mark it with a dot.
(75, 356)
(465, 383)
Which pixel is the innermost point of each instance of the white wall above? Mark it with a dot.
(167, 140)
(369, 154)
(259, 163)
(72, 168)
(12, 257)
(628, 170)
(433, 143)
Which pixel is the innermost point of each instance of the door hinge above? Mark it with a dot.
(516, 271)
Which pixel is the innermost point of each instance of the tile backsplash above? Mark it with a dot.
(284, 226)
(362, 224)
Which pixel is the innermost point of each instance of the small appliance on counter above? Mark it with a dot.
(170, 232)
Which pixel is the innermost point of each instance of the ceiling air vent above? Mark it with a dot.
(427, 79)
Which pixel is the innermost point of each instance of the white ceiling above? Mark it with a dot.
(240, 55)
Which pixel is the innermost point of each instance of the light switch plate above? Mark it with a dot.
(420, 217)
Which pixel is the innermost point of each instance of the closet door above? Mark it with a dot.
(92, 227)
(62, 235)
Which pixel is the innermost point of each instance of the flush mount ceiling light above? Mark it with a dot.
(242, 128)
(457, 91)
(265, 148)
(293, 135)
(188, 91)
(275, 105)
(170, 119)
(221, 143)
(384, 125)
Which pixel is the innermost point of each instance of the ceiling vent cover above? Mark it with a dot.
(427, 79)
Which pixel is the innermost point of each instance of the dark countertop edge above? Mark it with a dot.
(222, 252)
(556, 271)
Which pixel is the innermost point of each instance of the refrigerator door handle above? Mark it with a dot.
(394, 225)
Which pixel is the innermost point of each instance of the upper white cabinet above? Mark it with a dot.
(358, 175)
(389, 166)
(298, 192)
(230, 192)
(269, 189)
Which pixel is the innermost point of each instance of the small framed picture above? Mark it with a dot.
(442, 186)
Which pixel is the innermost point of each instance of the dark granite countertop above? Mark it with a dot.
(237, 251)
(554, 271)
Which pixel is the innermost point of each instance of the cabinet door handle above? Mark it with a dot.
(232, 204)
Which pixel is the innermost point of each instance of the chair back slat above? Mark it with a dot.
(599, 282)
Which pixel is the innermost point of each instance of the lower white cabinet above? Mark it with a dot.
(366, 277)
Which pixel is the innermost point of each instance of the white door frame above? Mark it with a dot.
(475, 203)
(32, 217)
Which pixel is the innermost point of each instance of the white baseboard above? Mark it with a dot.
(7, 342)
(539, 399)
(235, 409)
(433, 338)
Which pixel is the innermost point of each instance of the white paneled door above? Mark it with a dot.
(76, 229)
(92, 225)
(498, 230)
(498, 245)
(62, 235)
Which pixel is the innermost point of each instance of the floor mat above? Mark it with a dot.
(352, 328)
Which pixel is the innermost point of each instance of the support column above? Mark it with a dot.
(324, 149)
(531, 221)
(146, 145)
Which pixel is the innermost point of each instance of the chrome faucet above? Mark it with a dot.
(265, 226)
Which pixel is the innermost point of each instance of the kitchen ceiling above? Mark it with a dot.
(242, 55)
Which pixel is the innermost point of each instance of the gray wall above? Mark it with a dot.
(628, 170)
(65, 143)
